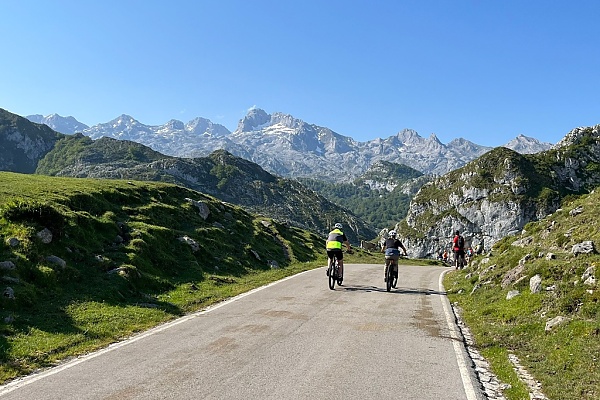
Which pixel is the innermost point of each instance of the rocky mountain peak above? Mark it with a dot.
(527, 145)
(409, 137)
(67, 125)
(174, 124)
(123, 120)
(203, 126)
(577, 136)
(254, 119)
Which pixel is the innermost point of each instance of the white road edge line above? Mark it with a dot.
(457, 341)
(20, 382)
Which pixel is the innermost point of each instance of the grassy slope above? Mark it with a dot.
(565, 360)
(111, 289)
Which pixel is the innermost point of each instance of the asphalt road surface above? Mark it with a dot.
(295, 339)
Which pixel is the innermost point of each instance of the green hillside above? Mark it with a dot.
(564, 358)
(370, 197)
(221, 175)
(123, 256)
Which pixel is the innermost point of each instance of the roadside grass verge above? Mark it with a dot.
(564, 358)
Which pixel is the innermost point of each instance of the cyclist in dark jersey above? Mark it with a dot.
(391, 247)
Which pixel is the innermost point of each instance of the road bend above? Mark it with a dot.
(294, 339)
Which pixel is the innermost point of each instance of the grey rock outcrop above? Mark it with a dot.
(585, 247)
(45, 236)
(203, 209)
(535, 284)
(7, 265)
(497, 194)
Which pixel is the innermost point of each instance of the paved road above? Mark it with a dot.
(295, 339)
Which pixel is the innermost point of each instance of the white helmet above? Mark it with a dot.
(338, 226)
(392, 233)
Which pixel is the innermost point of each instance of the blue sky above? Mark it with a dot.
(483, 70)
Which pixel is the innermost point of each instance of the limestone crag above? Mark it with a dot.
(499, 193)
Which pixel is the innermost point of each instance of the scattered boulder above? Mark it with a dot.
(7, 265)
(523, 242)
(550, 256)
(13, 242)
(9, 293)
(585, 247)
(535, 284)
(273, 264)
(589, 276)
(554, 322)
(57, 261)
(203, 209)
(487, 270)
(191, 242)
(511, 276)
(524, 259)
(45, 236)
(576, 211)
(511, 294)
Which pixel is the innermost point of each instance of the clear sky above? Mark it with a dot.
(483, 70)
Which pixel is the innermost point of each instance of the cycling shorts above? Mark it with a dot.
(335, 253)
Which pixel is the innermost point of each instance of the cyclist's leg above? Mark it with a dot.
(385, 268)
(340, 259)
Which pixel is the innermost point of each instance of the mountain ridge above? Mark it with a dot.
(290, 147)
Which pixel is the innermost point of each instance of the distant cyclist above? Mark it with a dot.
(335, 241)
(391, 248)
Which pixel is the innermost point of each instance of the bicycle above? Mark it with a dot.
(391, 274)
(334, 273)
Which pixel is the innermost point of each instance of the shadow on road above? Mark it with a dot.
(398, 290)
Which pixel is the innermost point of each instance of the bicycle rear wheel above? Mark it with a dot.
(389, 276)
(332, 274)
(394, 275)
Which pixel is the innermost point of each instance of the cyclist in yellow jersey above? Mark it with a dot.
(333, 245)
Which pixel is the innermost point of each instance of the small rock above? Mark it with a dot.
(45, 236)
(511, 294)
(9, 293)
(7, 265)
(576, 211)
(191, 242)
(585, 247)
(203, 209)
(57, 260)
(554, 322)
(535, 284)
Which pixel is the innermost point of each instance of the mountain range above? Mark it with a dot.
(494, 195)
(28, 147)
(289, 147)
